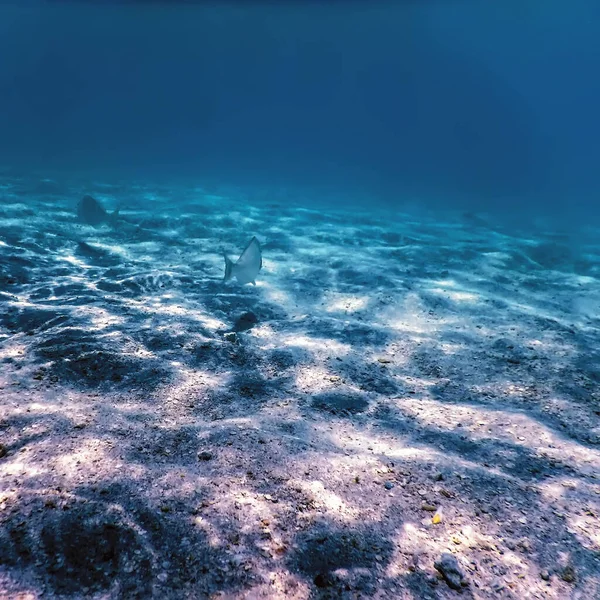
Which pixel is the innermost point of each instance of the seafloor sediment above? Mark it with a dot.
(398, 386)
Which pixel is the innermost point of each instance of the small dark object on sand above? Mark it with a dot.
(90, 211)
(246, 321)
(450, 571)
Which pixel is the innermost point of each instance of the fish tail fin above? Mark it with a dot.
(228, 268)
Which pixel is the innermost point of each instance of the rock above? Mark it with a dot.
(545, 575)
(231, 336)
(205, 455)
(450, 571)
(3, 450)
(568, 574)
(245, 321)
(388, 485)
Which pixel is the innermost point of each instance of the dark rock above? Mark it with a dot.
(3, 450)
(568, 574)
(245, 322)
(450, 571)
(205, 455)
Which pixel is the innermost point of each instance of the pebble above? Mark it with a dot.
(545, 575)
(568, 574)
(447, 565)
(3, 450)
(231, 336)
(388, 485)
(204, 455)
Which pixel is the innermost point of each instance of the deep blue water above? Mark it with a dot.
(475, 104)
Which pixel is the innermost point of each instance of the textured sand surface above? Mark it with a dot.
(405, 386)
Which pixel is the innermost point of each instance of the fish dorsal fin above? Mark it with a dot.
(251, 257)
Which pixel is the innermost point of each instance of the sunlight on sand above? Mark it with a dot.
(457, 296)
(13, 351)
(346, 303)
(73, 260)
(100, 318)
(275, 295)
(310, 343)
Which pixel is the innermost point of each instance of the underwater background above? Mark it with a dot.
(484, 105)
(300, 300)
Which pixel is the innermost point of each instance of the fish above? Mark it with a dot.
(247, 266)
(90, 211)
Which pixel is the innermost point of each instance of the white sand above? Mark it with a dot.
(400, 364)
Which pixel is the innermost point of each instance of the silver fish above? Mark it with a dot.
(247, 266)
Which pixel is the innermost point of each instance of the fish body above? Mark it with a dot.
(247, 266)
(90, 211)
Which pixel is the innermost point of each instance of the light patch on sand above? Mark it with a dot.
(101, 318)
(13, 351)
(276, 295)
(88, 453)
(264, 332)
(112, 249)
(347, 303)
(444, 283)
(585, 529)
(317, 344)
(326, 498)
(315, 379)
(21, 469)
(73, 260)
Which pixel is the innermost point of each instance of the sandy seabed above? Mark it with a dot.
(405, 403)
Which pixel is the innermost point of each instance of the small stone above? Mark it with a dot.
(245, 321)
(388, 485)
(450, 571)
(204, 455)
(231, 336)
(568, 574)
(383, 360)
(429, 507)
(545, 575)
(3, 450)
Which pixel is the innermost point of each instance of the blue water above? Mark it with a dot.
(483, 105)
(400, 356)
